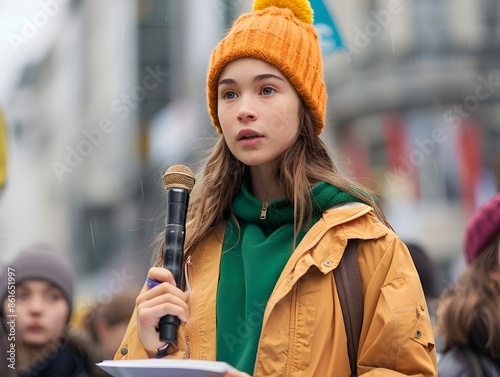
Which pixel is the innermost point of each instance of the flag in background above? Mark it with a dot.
(354, 150)
(468, 145)
(328, 33)
(398, 147)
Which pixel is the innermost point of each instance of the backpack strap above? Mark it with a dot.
(348, 281)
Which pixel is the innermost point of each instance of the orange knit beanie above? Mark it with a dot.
(281, 33)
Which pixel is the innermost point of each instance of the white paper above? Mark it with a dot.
(164, 368)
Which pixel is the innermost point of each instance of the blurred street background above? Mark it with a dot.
(98, 98)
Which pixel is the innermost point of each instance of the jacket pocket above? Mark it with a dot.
(410, 315)
(398, 296)
(422, 333)
(306, 315)
(400, 320)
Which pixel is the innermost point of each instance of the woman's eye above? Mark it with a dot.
(53, 296)
(21, 295)
(229, 95)
(267, 91)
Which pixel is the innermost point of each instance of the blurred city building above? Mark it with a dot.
(414, 101)
(112, 93)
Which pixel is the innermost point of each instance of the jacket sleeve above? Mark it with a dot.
(131, 346)
(397, 337)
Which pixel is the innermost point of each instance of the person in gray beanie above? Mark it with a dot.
(36, 291)
(41, 262)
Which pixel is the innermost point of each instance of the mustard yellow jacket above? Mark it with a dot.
(303, 331)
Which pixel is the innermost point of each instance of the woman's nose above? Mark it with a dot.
(35, 305)
(246, 110)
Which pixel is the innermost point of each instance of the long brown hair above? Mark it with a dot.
(307, 162)
(468, 313)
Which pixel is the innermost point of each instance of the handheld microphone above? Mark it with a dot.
(178, 181)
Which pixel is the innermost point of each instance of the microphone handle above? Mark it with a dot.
(173, 255)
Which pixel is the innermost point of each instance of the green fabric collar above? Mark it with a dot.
(279, 212)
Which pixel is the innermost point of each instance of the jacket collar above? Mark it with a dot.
(339, 224)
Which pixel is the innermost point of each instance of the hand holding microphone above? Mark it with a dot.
(178, 181)
(165, 291)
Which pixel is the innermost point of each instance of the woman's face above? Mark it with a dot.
(42, 312)
(258, 111)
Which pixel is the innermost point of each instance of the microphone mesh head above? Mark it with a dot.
(179, 176)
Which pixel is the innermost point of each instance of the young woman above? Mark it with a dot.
(468, 313)
(41, 302)
(268, 221)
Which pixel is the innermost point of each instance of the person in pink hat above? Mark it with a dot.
(468, 313)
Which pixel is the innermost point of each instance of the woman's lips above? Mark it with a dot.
(248, 137)
(35, 328)
(252, 140)
(248, 134)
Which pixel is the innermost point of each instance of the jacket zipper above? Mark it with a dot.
(263, 211)
(293, 322)
(187, 351)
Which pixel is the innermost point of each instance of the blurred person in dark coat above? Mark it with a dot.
(468, 313)
(38, 297)
(426, 271)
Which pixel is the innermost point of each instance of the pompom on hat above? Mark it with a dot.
(279, 32)
(482, 228)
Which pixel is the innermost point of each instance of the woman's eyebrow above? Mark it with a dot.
(227, 81)
(264, 76)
